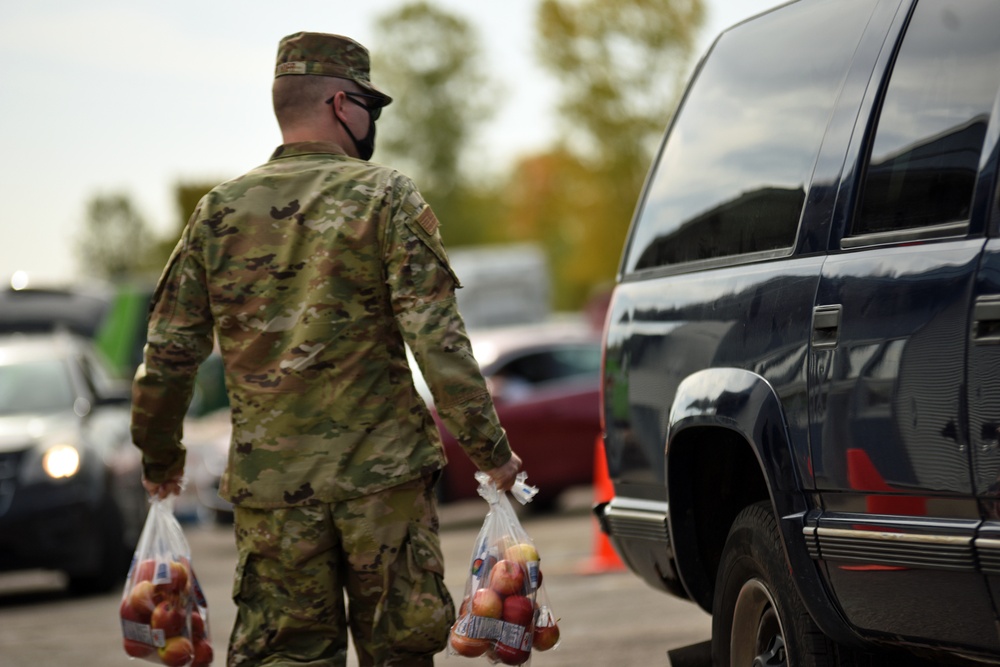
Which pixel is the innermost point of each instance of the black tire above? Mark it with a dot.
(758, 619)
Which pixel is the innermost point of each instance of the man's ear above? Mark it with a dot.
(339, 100)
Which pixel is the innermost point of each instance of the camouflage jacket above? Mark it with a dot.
(312, 271)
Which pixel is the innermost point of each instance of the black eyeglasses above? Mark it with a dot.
(375, 110)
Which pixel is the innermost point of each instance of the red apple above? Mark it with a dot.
(470, 647)
(509, 655)
(168, 617)
(203, 653)
(518, 609)
(507, 577)
(487, 602)
(177, 652)
(137, 649)
(197, 627)
(180, 577)
(145, 570)
(142, 599)
(129, 613)
(545, 636)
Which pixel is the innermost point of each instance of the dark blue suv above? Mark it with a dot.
(801, 382)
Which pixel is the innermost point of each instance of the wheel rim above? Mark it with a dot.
(757, 639)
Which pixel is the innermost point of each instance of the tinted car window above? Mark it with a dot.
(732, 176)
(926, 151)
(555, 364)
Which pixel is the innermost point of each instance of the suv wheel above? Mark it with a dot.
(757, 617)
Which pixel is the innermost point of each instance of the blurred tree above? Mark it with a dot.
(115, 238)
(186, 197)
(621, 66)
(550, 197)
(430, 62)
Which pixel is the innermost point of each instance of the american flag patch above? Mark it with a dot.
(428, 220)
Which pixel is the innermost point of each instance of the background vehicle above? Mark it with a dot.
(544, 379)
(70, 492)
(113, 316)
(799, 387)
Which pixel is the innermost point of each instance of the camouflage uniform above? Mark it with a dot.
(311, 271)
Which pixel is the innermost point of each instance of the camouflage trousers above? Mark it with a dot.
(296, 565)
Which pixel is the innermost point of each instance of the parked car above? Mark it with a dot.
(71, 497)
(800, 385)
(113, 316)
(544, 379)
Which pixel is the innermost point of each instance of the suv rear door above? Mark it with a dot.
(888, 437)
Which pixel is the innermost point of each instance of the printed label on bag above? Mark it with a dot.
(162, 574)
(512, 635)
(139, 632)
(479, 627)
(533, 574)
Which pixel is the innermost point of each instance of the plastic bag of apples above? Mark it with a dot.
(163, 611)
(505, 613)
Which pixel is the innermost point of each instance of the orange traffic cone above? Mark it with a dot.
(604, 558)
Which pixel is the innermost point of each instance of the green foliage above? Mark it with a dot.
(430, 62)
(621, 67)
(115, 238)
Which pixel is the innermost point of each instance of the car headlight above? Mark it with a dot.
(55, 461)
(61, 461)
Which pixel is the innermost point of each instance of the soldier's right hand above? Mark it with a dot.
(505, 475)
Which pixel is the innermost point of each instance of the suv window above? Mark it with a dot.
(732, 176)
(926, 152)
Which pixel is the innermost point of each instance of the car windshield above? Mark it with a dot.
(33, 387)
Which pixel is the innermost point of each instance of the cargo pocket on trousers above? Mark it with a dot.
(427, 611)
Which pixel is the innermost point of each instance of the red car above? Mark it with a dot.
(544, 381)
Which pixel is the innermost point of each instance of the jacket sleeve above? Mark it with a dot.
(179, 337)
(422, 293)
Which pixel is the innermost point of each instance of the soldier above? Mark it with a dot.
(312, 271)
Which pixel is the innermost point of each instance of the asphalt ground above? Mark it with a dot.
(608, 618)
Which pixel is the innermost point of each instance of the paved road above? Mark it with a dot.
(606, 619)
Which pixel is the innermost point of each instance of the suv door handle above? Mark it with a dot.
(986, 320)
(826, 326)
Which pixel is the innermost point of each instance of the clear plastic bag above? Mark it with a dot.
(505, 611)
(163, 611)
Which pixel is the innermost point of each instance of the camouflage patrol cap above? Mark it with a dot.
(326, 55)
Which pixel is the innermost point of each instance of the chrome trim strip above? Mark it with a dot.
(988, 550)
(988, 543)
(883, 547)
(887, 536)
(637, 519)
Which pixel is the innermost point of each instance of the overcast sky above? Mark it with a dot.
(132, 96)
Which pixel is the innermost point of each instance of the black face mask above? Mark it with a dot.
(366, 146)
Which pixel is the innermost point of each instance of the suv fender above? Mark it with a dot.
(727, 448)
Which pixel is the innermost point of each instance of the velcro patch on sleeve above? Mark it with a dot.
(428, 220)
